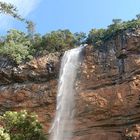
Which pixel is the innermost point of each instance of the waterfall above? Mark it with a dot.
(63, 122)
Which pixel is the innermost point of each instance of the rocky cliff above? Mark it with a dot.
(31, 86)
(108, 89)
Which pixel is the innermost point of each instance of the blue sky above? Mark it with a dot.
(76, 15)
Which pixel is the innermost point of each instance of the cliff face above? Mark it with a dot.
(31, 86)
(108, 89)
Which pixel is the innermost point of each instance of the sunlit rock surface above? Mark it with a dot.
(108, 89)
(108, 101)
(31, 86)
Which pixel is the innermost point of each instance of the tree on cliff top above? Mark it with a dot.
(59, 40)
(30, 28)
(17, 46)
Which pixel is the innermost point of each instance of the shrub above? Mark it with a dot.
(21, 126)
(3, 134)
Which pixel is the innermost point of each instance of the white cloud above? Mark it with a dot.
(25, 7)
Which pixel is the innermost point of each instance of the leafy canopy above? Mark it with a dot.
(58, 40)
(16, 45)
(10, 9)
(98, 36)
(20, 126)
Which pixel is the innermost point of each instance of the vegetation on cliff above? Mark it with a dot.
(97, 37)
(21, 47)
(16, 45)
(20, 126)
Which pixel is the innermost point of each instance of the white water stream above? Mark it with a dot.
(63, 122)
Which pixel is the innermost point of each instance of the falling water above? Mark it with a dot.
(63, 122)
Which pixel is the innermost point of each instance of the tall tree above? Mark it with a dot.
(31, 28)
(9, 9)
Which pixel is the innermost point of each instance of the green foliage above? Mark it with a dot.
(16, 45)
(21, 126)
(21, 47)
(9, 9)
(98, 36)
(37, 47)
(4, 135)
(60, 40)
(30, 28)
(95, 36)
(79, 38)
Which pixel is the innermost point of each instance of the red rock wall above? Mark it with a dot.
(32, 87)
(108, 101)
